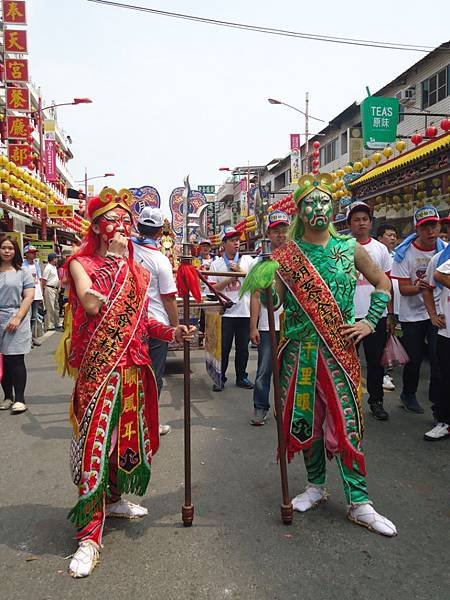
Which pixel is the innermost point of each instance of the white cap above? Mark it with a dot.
(151, 217)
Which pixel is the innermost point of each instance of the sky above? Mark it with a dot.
(173, 97)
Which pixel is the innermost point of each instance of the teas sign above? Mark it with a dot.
(379, 116)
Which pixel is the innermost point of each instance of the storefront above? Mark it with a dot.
(400, 185)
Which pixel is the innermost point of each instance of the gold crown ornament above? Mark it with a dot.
(309, 183)
(109, 199)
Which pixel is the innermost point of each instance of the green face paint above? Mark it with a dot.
(316, 209)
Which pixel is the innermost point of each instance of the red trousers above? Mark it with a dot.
(94, 529)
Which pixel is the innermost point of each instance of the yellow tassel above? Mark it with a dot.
(62, 351)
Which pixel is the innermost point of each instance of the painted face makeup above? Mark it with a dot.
(117, 219)
(316, 209)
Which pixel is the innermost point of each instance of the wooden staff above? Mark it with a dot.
(287, 511)
(187, 510)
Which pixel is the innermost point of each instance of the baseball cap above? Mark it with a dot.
(357, 206)
(204, 241)
(227, 232)
(425, 214)
(29, 248)
(152, 217)
(51, 256)
(277, 217)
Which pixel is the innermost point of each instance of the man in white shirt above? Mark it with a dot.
(32, 264)
(359, 218)
(235, 320)
(162, 289)
(438, 307)
(50, 283)
(277, 228)
(410, 265)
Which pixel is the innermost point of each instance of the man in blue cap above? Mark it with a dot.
(277, 229)
(410, 265)
(235, 320)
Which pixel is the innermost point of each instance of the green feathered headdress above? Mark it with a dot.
(309, 183)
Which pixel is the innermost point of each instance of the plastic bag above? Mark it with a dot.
(394, 354)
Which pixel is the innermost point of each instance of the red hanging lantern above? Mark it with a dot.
(316, 145)
(315, 171)
(416, 139)
(445, 125)
(315, 163)
(316, 154)
(431, 131)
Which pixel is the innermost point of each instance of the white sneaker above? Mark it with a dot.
(18, 407)
(84, 559)
(310, 498)
(367, 516)
(439, 432)
(388, 384)
(5, 404)
(164, 429)
(124, 509)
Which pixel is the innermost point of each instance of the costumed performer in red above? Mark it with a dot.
(114, 409)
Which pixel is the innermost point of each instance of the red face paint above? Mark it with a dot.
(117, 219)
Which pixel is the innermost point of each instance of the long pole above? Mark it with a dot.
(187, 510)
(41, 165)
(307, 132)
(85, 186)
(287, 511)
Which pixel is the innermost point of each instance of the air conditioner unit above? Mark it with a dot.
(407, 96)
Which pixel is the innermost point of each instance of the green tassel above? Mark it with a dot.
(81, 514)
(260, 277)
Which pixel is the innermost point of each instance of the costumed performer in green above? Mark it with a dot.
(320, 374)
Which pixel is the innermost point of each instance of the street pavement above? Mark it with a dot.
(237, 547)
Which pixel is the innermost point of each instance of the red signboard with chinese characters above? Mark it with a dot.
(17, 99)
(50, 161)
(16, 70)
(16, 41)
(19, 154)
(17, 127)
(14, 12)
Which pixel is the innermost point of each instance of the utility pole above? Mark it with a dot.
(307, 132)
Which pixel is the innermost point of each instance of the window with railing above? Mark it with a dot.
(329, 152)
(436, 87)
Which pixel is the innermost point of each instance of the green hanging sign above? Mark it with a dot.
(379, 117)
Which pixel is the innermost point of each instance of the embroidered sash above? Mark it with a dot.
(110, 340)
(315, 298)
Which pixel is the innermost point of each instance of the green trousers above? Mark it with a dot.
(355, 485)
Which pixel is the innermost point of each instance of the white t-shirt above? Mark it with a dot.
(37, 282)
(50, 275)
(381, 257)
(441, 295)
(162, 282)
(413, 267)
(240, 308)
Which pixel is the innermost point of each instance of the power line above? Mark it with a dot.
(270, 30)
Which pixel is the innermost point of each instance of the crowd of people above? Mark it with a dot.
(332, 293)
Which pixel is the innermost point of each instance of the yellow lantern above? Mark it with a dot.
(388, 152)
(5, 187)
(358, 166)
(339, 183)
(366, 162)
(340, 172)
(348, 169)
(400, 146)
(376, 157)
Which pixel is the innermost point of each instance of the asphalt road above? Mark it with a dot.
(237, 547)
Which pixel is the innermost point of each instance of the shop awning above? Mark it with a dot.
(401, 161)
